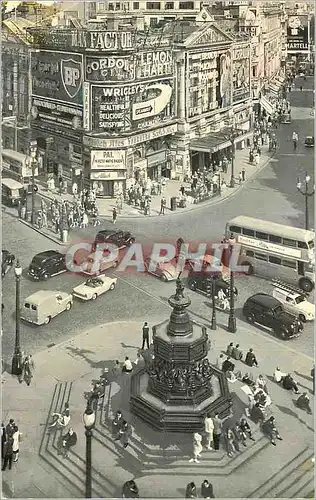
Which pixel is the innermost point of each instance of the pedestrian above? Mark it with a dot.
(228, 366)
(116, 370)
(209, 428)
(256, 414)
(313, 378)
(270, 429)
(240, 178)
(303, 403)
(220, 361)
(245, 428)
(114, 215)
(8, 453)
(117, 424)
(10, 427)
(218, 424)
(127, 365)
(289, 383)
(124, 434)
(230, 438)
(301, 88)
(145, 335)
(17, 437)
(28, 369)
(69, 440)
(251, 359)
(278, 375)
(162, 206)
(229, 349)
(130, 489)
(197, 447)
(207, 489)
(243, 173)
(191, 491)
(85, 220)
(182, 190)
(261, 383)
(237, 353)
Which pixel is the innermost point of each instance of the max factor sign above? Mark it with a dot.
(102, 40)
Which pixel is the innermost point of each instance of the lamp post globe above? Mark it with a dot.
(17, 360)
(89, 422)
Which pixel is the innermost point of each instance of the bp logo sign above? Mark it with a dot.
(71, 74)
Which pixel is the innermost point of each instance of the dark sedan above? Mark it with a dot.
(47, 264)
(200, 284)
(309, 141)
(7, 262)
(119, 238)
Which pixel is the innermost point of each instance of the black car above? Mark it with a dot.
(268, 311)
(47, 264)
(309, 141)
(199, 283)
(119, 238)
(7, 262)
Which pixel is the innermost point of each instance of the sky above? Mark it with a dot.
(13, 5)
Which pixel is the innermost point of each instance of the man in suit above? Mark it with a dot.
(229, 349)
(228, 366)
(207, 489)
(145, 335)
(251, 359)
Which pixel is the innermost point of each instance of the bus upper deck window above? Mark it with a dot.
(235, 229)
(302, 244)
(289, 243)
(248, 232)
(275, 239)
(311, 244)
(262, 236)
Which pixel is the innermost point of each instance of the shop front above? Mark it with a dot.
(108, 172)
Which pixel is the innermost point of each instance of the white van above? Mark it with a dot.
(40, 307)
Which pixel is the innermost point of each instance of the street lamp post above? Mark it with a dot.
(17, 356)
(33, 152)
(89, 421)
(303, 189)
(232, 318)
(233, 136)
(213, 323)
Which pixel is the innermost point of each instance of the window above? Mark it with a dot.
(186, 5)
(194, 99)
(289, 263)
(274, 260)
(153, 22)
(34, 308)
(27, 305)
(250, 253)
(261, 256)
(248, 232)
(275, 239)
(117, 6)
(235, 229)
(153, 6)
(111, 6)
(289, 243)
(101, 6)
(169, 5)
(136, 5)
(311, 244)
(262, 236)
(302, 244)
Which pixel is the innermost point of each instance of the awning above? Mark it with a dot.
(273, 88)
(217, 141)
(156, 158)
(266, 105)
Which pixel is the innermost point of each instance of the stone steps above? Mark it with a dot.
(294, 480)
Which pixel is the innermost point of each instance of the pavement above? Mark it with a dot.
(159, 462)
(172, 188)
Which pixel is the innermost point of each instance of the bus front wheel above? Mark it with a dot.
(306, 284)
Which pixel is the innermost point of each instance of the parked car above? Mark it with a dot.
(47, 264)
(309, 141)
(119, 238)
(285, 118)
(267, 311)
(93, 287)
(295, 303)
(40, 307)
(7, 262)
(200, 284)
(166, 271)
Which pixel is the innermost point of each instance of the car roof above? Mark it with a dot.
(107, 231)
(268, 300)
(47, 254)
(41, 295)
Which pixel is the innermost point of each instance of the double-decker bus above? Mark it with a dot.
(274, 250)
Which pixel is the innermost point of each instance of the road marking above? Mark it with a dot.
(292, 154)
(257, 333)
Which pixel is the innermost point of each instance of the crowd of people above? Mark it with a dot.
(10, 444)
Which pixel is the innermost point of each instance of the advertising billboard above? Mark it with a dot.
(108, 159)
(48, 111)
(121, 108)
(57, 75)
(127, 68)
(298, 34)
(241, 73)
